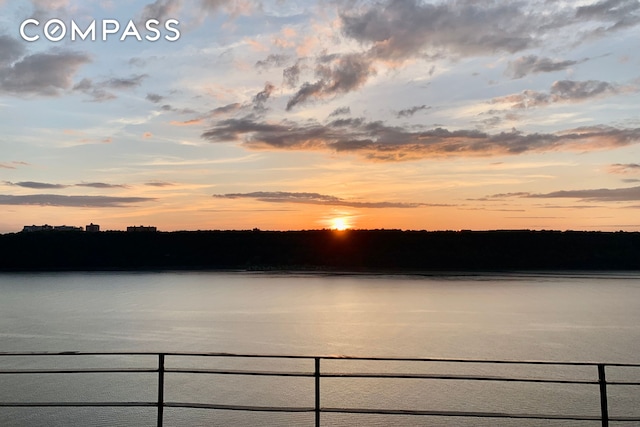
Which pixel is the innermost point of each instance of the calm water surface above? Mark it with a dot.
(587, 317)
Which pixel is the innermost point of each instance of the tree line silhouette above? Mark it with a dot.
(350, 250)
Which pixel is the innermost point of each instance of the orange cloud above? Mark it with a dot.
(255, 45)
(191, 122)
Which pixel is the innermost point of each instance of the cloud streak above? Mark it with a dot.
(99, 92)
(562, 91)
(12, 165)
(629, 194)
(380, 142)
(49, 186)
(38, 185)
(408, 112)
(316, 199)
(532, 64)
(72, 201)
(624, 168)
(600, 194)
(101, 185)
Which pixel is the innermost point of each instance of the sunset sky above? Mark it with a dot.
(281, 114)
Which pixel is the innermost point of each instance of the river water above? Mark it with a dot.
(554, 316)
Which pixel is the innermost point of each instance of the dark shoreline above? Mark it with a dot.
(352, 251)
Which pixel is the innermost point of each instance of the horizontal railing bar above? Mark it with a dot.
(74, 404)
(363, 411)
(621, 383)
(382, 412)
(238, 372)
(77, 371)
(238, 407)
(308, 374)
(460, 414)
(455, 377)
(327, 357)
(379, 375)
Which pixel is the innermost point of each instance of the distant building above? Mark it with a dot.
(32, 228)
(92, 228)
(47, 227)
(142, 228)
(67, 228)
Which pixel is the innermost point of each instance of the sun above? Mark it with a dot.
(339, 224)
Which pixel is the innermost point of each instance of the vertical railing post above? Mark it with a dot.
(160, 389)
(604, 408)
(317, 380)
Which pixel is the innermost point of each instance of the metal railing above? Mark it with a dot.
(318, 374)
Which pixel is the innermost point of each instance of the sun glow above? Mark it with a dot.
(340, 224)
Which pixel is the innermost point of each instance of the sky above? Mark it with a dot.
(281, 114)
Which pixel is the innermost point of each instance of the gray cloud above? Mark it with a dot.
(617, 13)
(165, 9)
(121, 83)
(100, 185)
(161, 10)
(600, 194)
(624, 168)
(96, 93)
(337, 74)
(214, 4)
(315, 199)
(408, 112)
(167, 107)
(402, 29)
(45, 74)
(154, 97)
(226, 109)
(532, 64)
(99, 93)
(37, 185)
(562, 91)
(72, 201)
(262, 96)
(12, 165)
(377, 141)
(10, 50)
(50, 186)
(159, 184)
(499, 196)
(572, 90)
(137, 62)
(233, 7)
(273, 60)
(291, 75)
(613, 9)
(306, 91)
(342, 111)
